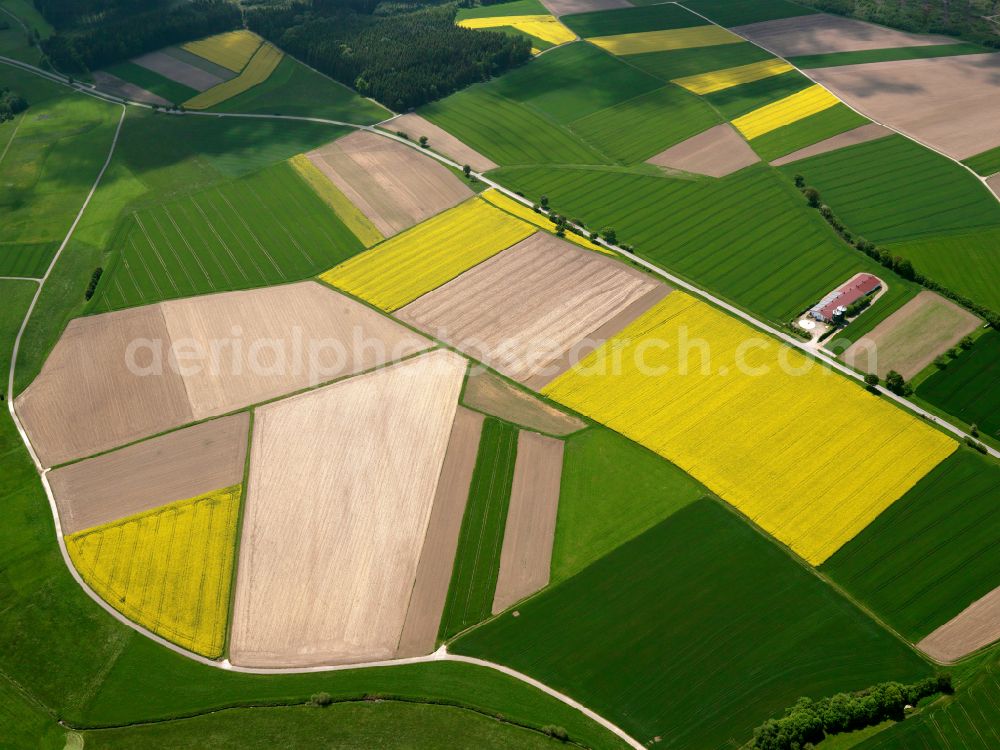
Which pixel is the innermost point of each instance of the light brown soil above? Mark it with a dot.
(974, 627)
(439, 140)
(430, 589)
(117, 87)
(394, 185)
(912, 337)
(994, 184)
(716, 152)
(86, 400)
(526, 556)
(599, 335)
(290, 337)
(870, 132)
(178, 70)
(568, 7)
(490, 393)
(523, 309)
(951, 103)
(176, 466)
(819, 33)
(342, 482)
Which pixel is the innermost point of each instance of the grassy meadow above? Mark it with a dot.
(969, 387)
(933, 552)
(694, 632)
(834, 59)
(172, 91)
(477, 561)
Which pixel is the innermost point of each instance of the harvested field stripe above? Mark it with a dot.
(352, 217)
(669, 39)
(718, 80)
(785, 111)
(477, 562)
(430, 254)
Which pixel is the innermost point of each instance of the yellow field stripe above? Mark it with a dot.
(231, 50)
(430, 254)
(347, 212)
(785, 111)
(544, 27)
(522, 211)
(719, 80)
(168, 569)
(258, 70)
(806, 454)
(667, 39)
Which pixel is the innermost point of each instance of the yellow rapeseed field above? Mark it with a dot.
(522, 211)
(785, 111)
(809, 456)
(667, 39)
(719, 80)
(430, 254)
(348, 213)
(544, 27)
(168, 569)
(231, 50)
(258, 70)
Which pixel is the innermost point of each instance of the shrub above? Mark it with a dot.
(320, 700)
(557, 733)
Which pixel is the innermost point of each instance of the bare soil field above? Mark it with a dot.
(117, 87)
(951, 103)
(819, 33)
(489, 393)
(175, 466)
(287, 338)
(994, 184)
(524, 308)
(716, 152)
(975, 626)
(177, 70)
(393, 185)
(568, 7)
(439, 140)
(87, 400)
(526, 555)
(437, 558)
(870, 132)
(342, 483)
(912, 337)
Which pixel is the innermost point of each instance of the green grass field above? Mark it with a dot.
(18, 14)
(631, 20)
(507, 132)
(172, 91)
(16, 298)
(739, 12)
(639, 128)
(968, 721)
(748, 237)
(28, 259)
(933, 552)
(807, 131)
(694, 632)
(226, 237)
(966, 262)
(688, 62)
(738, 100)
(294, 89)
(477, 561)
(515, 8)
(969, 387)
(986, 163)
(612, 490)
(832, 59)
(341, 725)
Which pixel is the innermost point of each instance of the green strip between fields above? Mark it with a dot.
(834, 59)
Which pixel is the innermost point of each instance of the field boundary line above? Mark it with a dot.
(894, 129)
(11, 139)
(21, 278)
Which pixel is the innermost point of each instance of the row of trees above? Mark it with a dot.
(121, 35)
(11, 103)
(966, 19)
(809, 721)
(402, 60)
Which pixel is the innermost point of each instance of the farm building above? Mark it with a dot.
(837, 301)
